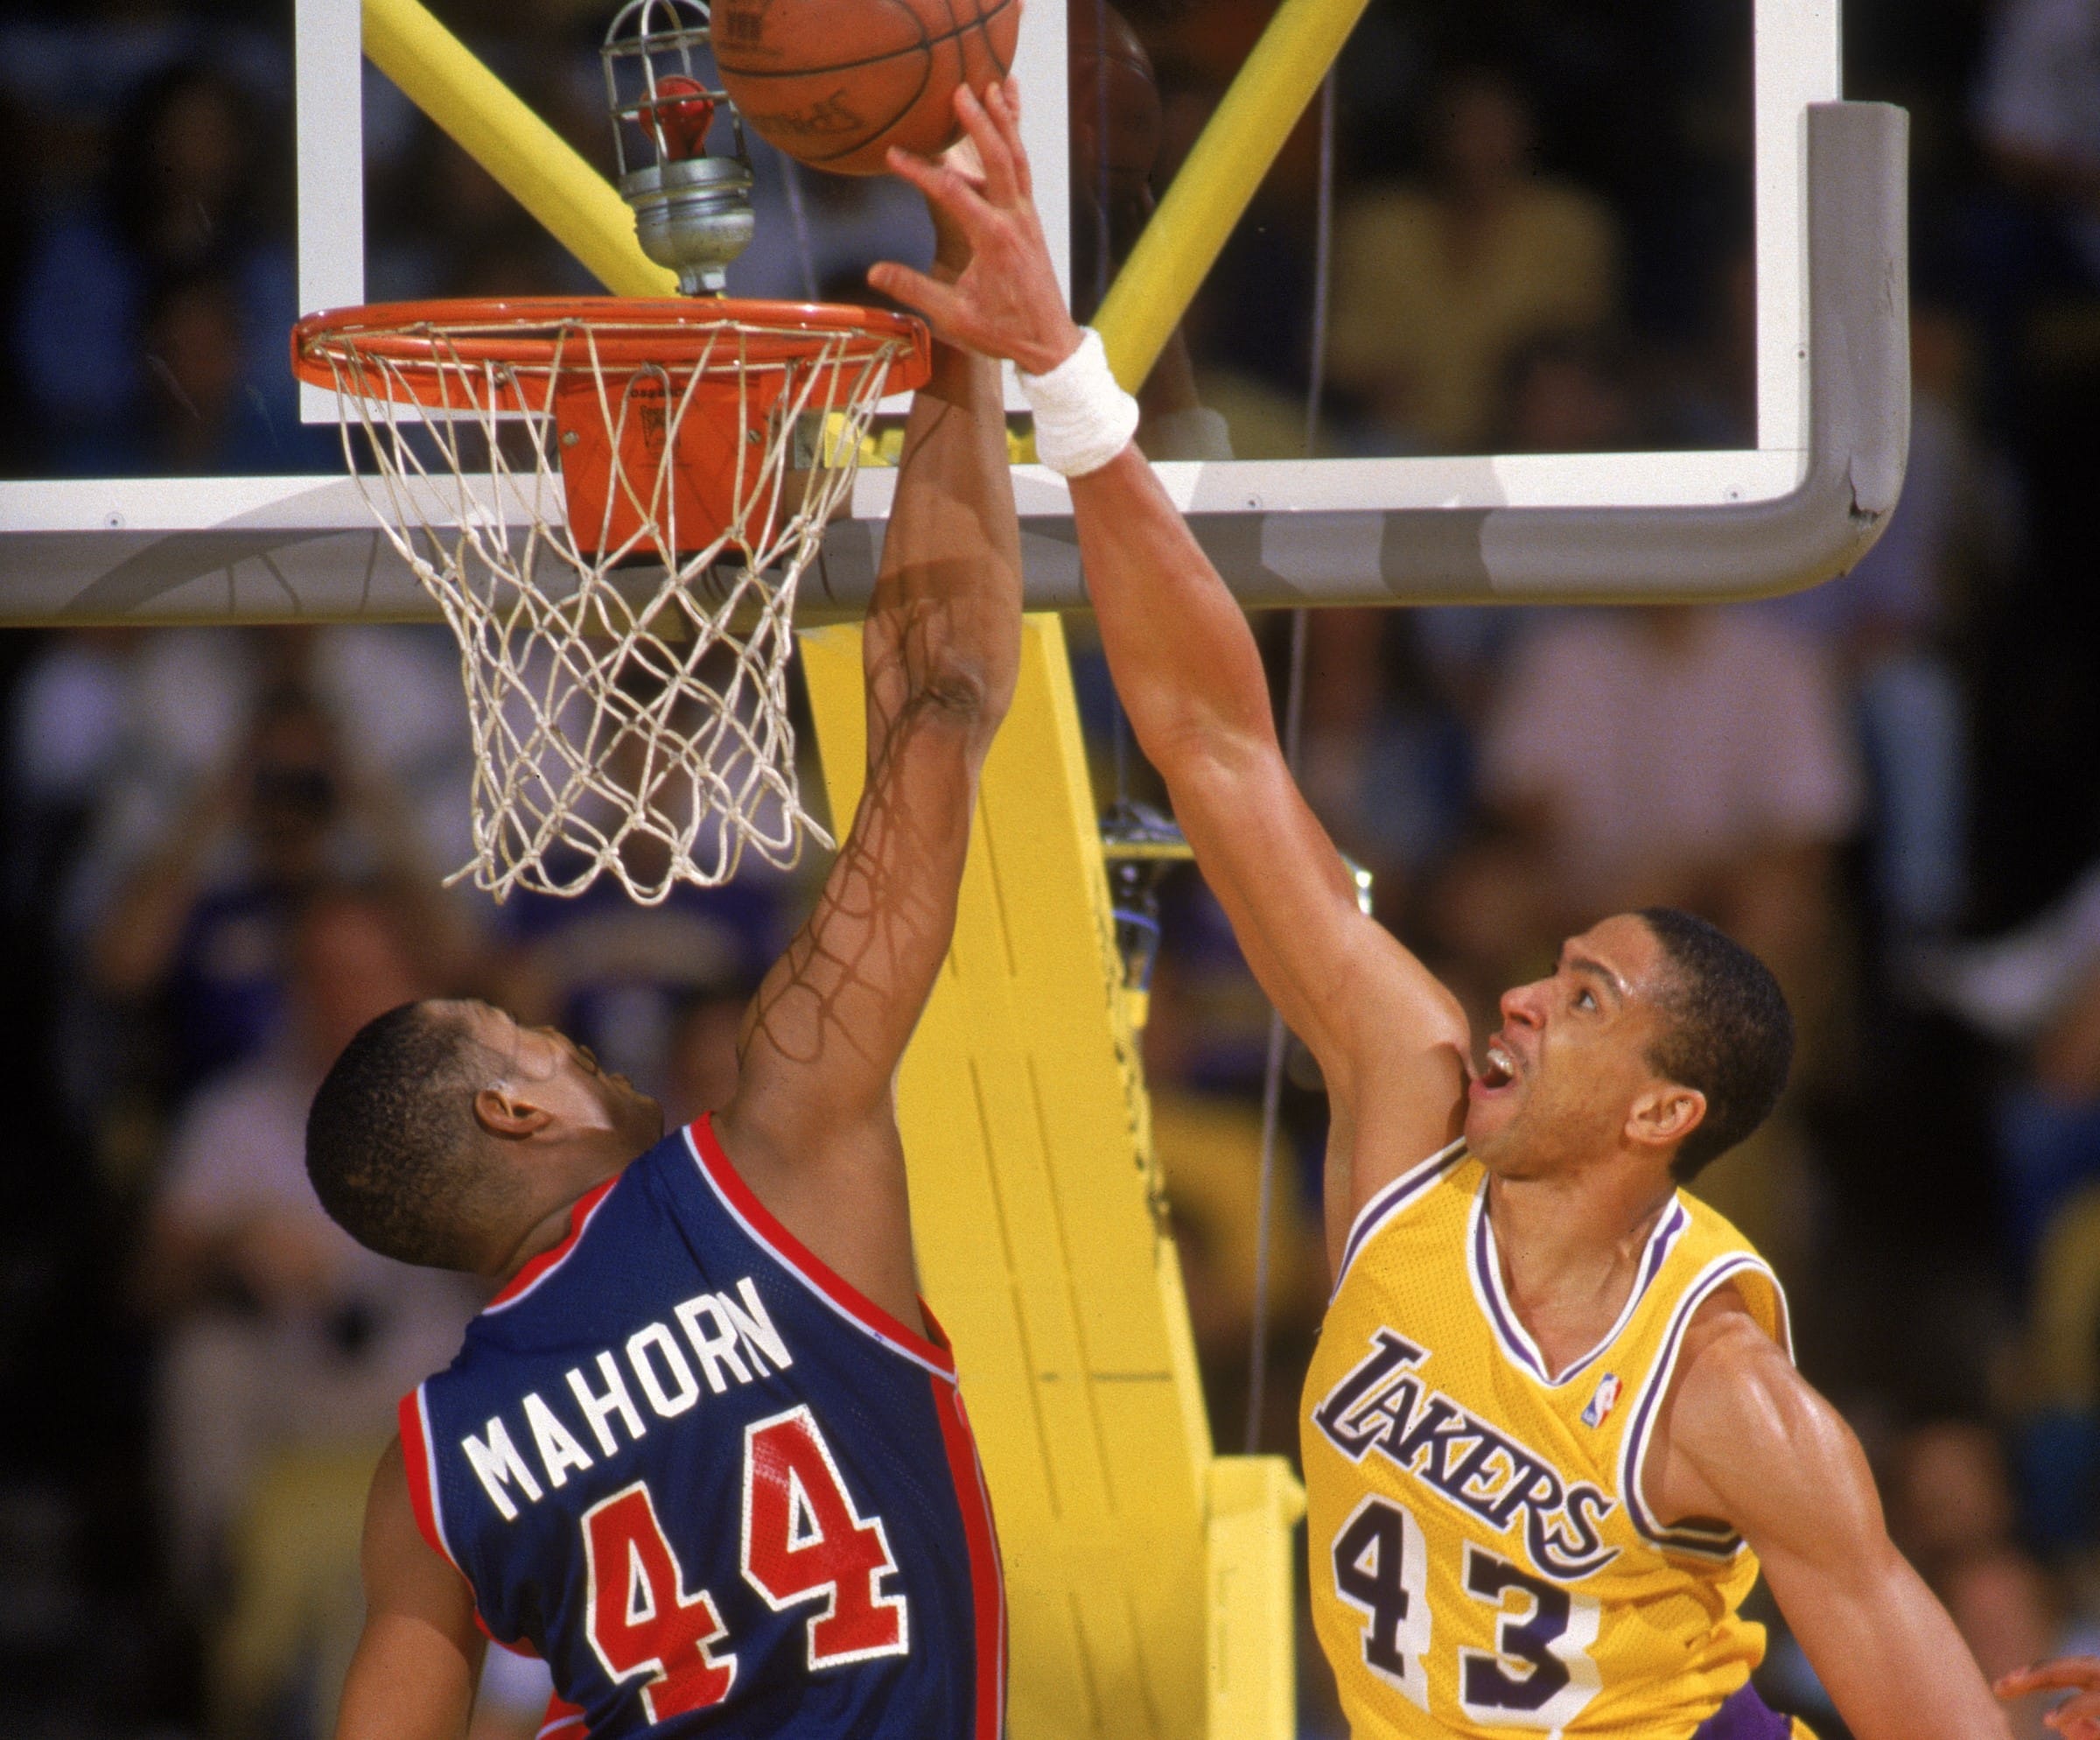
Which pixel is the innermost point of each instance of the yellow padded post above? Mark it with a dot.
(1043, 1248)
(1255, 1505)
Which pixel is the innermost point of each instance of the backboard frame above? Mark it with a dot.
(199, 529)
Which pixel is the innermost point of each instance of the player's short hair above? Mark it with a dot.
(1726, 1031)
(392, 1147)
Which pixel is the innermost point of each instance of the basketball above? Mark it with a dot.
(1116, 96)
(836, 83)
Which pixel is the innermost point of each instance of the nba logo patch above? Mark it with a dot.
(1603, 1402)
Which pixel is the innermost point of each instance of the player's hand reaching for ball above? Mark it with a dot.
(1006, 302)
(2075, 1718)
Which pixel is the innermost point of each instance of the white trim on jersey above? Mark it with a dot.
(1389, 1200)
(1486, 1271)
(1718, 1542)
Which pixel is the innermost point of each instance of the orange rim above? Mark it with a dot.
(530, 335)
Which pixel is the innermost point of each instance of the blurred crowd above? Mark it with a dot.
(225, 849)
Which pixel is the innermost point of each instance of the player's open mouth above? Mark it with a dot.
(1498, 1068)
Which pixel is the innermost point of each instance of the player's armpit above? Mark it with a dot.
(1745, 1440)
(419, 1657)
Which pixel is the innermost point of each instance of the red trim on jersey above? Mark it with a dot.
(415, 1458)
(842, 1295)
(561, 1714)
(520, 1649)
(544, 1265)
(987, 1582)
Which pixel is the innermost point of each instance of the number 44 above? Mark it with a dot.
(803, 1542)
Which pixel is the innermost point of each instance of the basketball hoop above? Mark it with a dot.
(612, 502)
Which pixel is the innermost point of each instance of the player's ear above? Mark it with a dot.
(1664, 1114)
(508, 1114)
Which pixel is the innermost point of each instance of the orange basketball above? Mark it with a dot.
(837, 83)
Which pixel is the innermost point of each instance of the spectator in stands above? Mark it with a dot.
(1951, 1511)
(1895, 622)
(1435, 286)
(1385, 760)
(1204, 1038)
(284, 1345)
(2038, 107)
(198, 419)
(184, 207)
(2036, 991)
(1678, 756)
(204, 921)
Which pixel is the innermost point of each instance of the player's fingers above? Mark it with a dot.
(917, 292)
(1004, 101)
(954, 194)
(962, 158)
(2071, 1672)
(1000, 187)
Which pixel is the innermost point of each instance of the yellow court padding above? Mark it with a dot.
(1148, 1582)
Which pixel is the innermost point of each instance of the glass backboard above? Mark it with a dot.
(1424, 407)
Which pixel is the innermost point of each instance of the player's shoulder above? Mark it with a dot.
(1735, 1392)
(1747, 1439)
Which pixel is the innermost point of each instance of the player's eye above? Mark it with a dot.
(1586, 999)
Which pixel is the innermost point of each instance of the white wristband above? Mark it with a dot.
(1083, 418)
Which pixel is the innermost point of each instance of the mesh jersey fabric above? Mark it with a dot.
(1482, 1562)
(719, 1492)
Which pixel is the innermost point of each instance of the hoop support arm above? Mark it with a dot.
(1851, 473)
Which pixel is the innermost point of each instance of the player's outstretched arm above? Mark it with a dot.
(1744, 1438)
(1390, 1040)
(813, 1125)
(419, 1657)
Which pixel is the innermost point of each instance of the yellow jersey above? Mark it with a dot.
(1483, 1561)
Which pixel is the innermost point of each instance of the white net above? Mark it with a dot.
(627, 675)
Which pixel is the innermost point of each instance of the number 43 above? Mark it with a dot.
(803, 1542)
(1538, 1675)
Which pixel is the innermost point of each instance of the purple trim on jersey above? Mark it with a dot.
(1744, 1715)
(1719, 1542)
(1389, 1200)
(527, 1279)
(1501, 1316)
(744, 1207)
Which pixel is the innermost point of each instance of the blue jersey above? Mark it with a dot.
(720, 1492)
